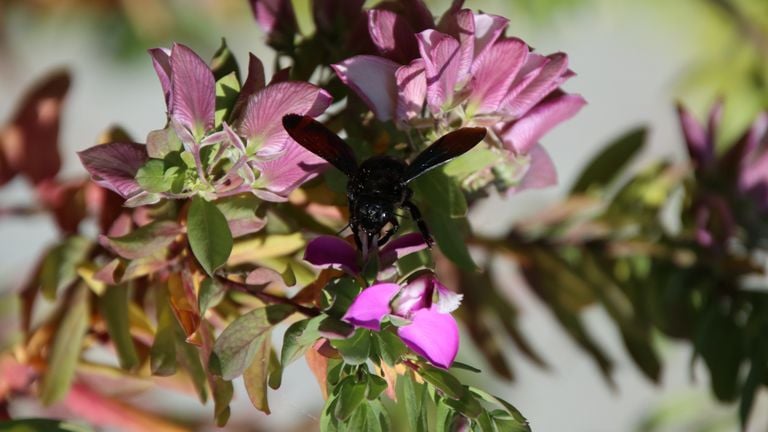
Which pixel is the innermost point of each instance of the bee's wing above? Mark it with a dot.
(318, 139)
(441, 151)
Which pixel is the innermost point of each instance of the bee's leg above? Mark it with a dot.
(416, 216)
(390, 232)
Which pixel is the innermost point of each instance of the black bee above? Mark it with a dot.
(379, 185)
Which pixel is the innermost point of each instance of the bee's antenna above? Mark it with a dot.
(343, 228)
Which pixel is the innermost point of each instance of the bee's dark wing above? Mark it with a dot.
(441, 151)
(318, 139)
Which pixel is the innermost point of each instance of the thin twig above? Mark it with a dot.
(258, 292)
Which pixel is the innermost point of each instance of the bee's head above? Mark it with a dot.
(373, 215)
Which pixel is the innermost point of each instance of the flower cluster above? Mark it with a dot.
(732, 187)
(222, 138)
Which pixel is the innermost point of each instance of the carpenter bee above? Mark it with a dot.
(379, 185)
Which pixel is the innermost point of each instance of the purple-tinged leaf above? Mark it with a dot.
(332, 252)
(521, 135)
(254, 82)
(419, 336)
(193, 91)
(161, 61)
(537, 84)
(393, 35)
(493, 72)
(540, 173)
(114, 166)
(411, 84)
(442, 63)
(261, 120)
(400, 247)
(461, 27)
(373, 79)
(371, 306)
(279, 177)
(700, 149)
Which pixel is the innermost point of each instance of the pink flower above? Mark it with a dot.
(425, 306)
(467, 69)
(261, 157)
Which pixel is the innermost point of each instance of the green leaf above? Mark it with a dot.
(10, 317)
(162, 355)
(59, 268)
(298, 338)
(443, 381)
(275, 371)
(42, 425)
(162, 142)
(413, 396)
(209, 235)
(522, 422)
(237, 345)
(466, 405)
(227, 92)
(607, 165)
(211, 294)
(153, 177)
(471, 162)
(376, 386)
(351, 395)
(356, 349)
(67, 345)
(464, 366)
(146, 240)
(114, 308)
(222, 396)
(256, 375)
(389, 347)
(443, 417)
(445, 210)
(189, 358)
(342, 293)
(224, 62)
(485, 422)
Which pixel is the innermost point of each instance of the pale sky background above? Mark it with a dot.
(629, 62)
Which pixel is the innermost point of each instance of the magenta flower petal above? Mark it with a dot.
(700, 149)
(393, 35)
(261, 120)
(400, 247)
(442, 62)
(433, 335)
(412, 90)
(114, 166)
(193, 91)
(371, 306)
(494, 72)
(280, 176)
(541, 172)
(521, 135)
(536, 84)
(332, 252)
(373, 79)
(161, 61)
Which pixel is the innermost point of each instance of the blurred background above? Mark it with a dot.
(634, 60)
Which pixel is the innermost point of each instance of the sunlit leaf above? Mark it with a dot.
(255, 377)
(356, 349)
(209, 235)
(239, 342)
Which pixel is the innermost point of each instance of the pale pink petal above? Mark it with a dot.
(445, 301)
(540, 173)
(442, 62)
(254, 82)
(488, 28)
(261, 120)
(192, 91)
(373, 79)
(521, 135)
(234, 138)
(433, 335)
(494, 71)
(280, 176)
(393, 35)
(332, 252)
(536, 84)
(414, 296)
(161, 61)
(699, 147)
(114, 166)
(411, 90)
(461, 26)
(371, 306)
(400, 247)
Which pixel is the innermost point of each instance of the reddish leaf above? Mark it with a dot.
(318, 364)
(30, 142)
(114, 166)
